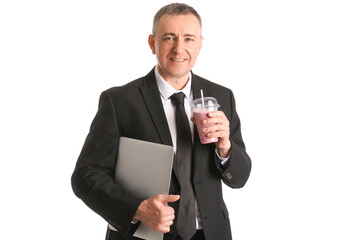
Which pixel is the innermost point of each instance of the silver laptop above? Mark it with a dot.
(144, 168)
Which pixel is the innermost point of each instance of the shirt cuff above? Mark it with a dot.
(221, 159)
(134, 221)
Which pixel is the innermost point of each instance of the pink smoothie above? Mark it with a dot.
(201, 114)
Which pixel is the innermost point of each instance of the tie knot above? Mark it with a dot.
(178, 99)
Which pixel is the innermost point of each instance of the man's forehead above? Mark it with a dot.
(179, 19)
(173, 23)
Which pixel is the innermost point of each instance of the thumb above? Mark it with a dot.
(170, 198)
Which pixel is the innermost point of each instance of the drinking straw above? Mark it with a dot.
(202, 98)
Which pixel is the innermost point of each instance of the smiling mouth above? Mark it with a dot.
(178, 59)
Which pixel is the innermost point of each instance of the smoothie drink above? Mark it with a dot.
(200, 112)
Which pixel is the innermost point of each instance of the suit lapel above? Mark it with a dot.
(151, 95)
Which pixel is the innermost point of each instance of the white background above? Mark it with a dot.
(293, 66)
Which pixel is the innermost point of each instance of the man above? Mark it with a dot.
(148, 109)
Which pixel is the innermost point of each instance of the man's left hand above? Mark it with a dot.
(219, 127)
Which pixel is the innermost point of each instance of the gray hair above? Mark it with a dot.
(174, 9)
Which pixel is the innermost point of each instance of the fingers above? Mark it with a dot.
(156, 214)
(217, 125)
(163, 225)
(217, 117)
(216, 128)
(163, 228)
(168, 198)
(165, 220)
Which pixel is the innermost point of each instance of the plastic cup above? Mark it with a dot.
(200, 112)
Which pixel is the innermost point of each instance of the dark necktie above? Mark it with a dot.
(186, 218)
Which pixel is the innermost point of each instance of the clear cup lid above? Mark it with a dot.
(210, 104)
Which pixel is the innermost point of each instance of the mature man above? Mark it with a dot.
(150, 109)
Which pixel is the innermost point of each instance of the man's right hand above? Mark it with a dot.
(156, 214)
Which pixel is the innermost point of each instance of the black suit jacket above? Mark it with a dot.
(135, 110)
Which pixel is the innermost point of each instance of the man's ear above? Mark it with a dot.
(201, 41)
(151, 42)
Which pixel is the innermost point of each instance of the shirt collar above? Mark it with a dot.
(166, 90)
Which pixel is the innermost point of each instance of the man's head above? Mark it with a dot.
(174, 9)
(176, 41)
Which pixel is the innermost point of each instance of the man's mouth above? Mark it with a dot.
(177, 59)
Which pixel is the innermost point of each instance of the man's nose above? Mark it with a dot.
(179, 46)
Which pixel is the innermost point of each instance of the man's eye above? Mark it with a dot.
(189, 39)
(169, 38)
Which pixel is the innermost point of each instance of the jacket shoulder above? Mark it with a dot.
(210, 84)
(132, 86)
(126, 88)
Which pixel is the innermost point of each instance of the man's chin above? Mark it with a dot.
(178, 74)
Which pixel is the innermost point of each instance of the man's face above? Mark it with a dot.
(177, 43)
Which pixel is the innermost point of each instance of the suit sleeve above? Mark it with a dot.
(92, 180)
(237, 169)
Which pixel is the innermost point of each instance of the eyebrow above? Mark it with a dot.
(173, 34)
